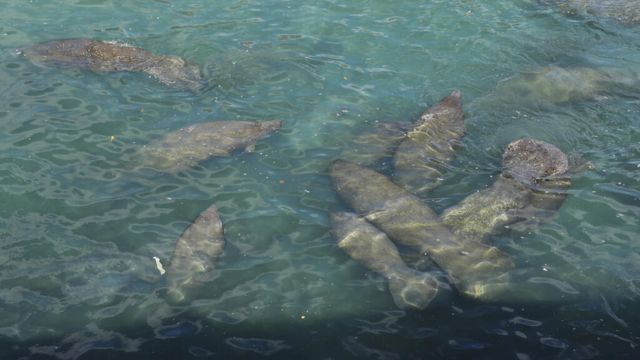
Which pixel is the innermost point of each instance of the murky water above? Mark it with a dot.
(81, 220)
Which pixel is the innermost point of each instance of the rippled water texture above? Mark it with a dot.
(81, 217)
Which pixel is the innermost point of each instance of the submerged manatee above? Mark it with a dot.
(408, 221)
(624, 11)
(531, 187)
(102, 56)
(195, 252)
(374, 144)
(557, 85)
(372, 248)
(58, 295)
(420, 157)
(188, 146)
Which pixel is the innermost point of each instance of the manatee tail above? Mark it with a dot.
(413, 289)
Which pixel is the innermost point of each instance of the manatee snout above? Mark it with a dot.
(455, 97)
(271, 125)
(528, 160)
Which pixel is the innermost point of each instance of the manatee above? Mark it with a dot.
(372, 248)
(558, 85)
(103, 56)
(195, 252)
(92, 281)
(532, 186)
(186, 147)
(374, 144)
(533, 182)
(429, 145)
(624, 11)
(409, 222)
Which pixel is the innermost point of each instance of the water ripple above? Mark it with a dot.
(257, 345)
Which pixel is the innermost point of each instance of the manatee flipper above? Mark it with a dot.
(195, 253)
(372, 248)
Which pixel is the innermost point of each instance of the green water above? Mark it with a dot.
(80, 221)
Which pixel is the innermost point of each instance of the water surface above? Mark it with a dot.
(80, 220)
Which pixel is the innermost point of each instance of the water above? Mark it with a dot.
(80, 223)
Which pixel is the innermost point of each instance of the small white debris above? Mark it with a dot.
(159, 265)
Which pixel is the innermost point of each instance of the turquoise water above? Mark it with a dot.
(80, 221)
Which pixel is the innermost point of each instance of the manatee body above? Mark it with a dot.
(426, 148)
(407, 221)
(186, 147)
(625, 11)
(558, 85)
(195, 252)
(374, 144)
(102, 56)
(372, 248)
(531, 187)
